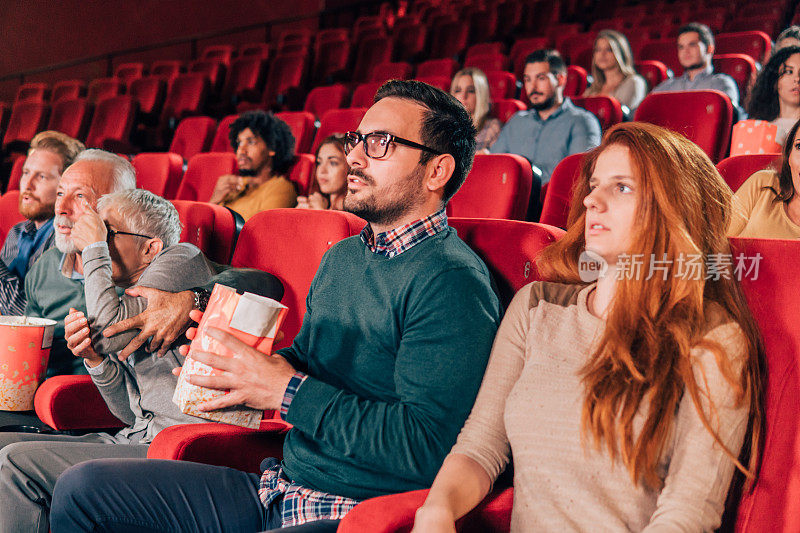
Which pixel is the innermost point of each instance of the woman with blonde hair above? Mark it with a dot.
(471, 88)
(625, 402)
(612, 70)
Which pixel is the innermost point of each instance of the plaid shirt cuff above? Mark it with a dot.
(291, 390)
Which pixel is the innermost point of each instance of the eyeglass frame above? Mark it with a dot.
(112, 232)
(390, 138)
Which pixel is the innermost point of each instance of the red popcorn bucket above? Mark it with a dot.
(24, 351)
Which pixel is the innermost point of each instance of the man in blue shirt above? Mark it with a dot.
(553, 127)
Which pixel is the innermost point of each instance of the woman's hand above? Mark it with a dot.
(313, 201)
(78, 337)
(225, 185)
(430, 519)
(89, 228)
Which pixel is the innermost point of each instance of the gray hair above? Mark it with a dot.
(145, 213)
(122, 171)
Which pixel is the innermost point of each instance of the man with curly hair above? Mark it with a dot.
(264, 147)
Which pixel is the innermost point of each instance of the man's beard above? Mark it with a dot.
(695, 66)
(63, 242)
(547, 104)
(248, 172)
(38, 211)
(392, 207)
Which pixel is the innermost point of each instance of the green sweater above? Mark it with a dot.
(395, 350)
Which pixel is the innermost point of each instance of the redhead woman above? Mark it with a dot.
(624, 402)
(330, 176)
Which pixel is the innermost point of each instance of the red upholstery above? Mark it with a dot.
(67, 89)
(70, 116)
(218, 52)
(159, 173)
(34, 92)
(202, 173)
(209, 227)
(483, 49)
(391, 71)
(245, 75)
(221, 142)
(664, 50)
(767, 24)
(498, 186)
(371, 51)
(9, 210)
(606, 108)
(756, 44)
(364, 94)
(654, 72)
(299, 35)
(5, 114)
(27, 118)
(113, 119)
(185, 96)
(502, 85)
(127, 72)
(302, 125)
(103, 88)
(704, 117)
(193, 136)
(322, 99)
(73, 402)
(149, 92)
(285, 72)
(259, 50)
(330, 59)
(506, 108)
(509, 16)
(338, 121)
(409, 40)
(522, 48)
(290, 243)
(301, 173)
(449, 39)
(214, 71)
(167, 70)
(736, 169)
(575, 45)
(367, 24)
(488, 62)
(555, 208)
(482, 24)
(437, 67)
(577, 81)
(16, 174)
(741, 67)
(772, 296)
(442, 82)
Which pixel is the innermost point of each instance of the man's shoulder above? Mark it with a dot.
(580, 116)
(520, 118)
(48, 263)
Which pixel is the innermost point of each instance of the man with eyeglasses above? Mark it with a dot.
(380, 378)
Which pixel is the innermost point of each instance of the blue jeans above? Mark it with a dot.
(131, 495)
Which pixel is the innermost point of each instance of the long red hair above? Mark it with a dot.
(643, 358)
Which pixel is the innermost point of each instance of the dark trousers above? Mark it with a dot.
(144, 496)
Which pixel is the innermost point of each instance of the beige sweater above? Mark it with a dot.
(529, 405)
(756, 214)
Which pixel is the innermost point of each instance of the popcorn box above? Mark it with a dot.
(24, 351)
(254, 320)
(754, 137)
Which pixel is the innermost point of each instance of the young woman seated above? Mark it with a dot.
(330, 177)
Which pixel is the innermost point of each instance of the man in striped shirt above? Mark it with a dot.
(50, 153)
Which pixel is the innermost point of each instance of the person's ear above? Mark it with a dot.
(151, 248)
(710, 49)
(440, 170)
(561, 79)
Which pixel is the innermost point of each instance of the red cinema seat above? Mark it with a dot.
(756, 44)
(577, 81)
(73, 403)
(555, 208)
(33, 92)
(391, 71)
(202, 173)
(704, 117)
(127, 72)
(736, 169)
(302, 125)
(112, 121)
(322, 99)
(480, 49)
(219, 52)
(67, 89)
(16, 174)
(507, 108)
(295, 36)
(210, 227)
(286, 72)
(149, 92)
(9, 211)
(524, 47)
(482, 24)
(245, 76)
(222, 142)
(574, 47)
(330, 61)
(5, 115)
(213, 70)
(159, 172)
(369, 25)
(654, 72)
(509, 18)
(606, 108)
(186, 96)
(502, 85)
(488, 62)
(741, 67)
(193, 136)
(301, 173)
(27, 118)
(371, 52)
(409, 41)
(498, 186)
(767, 24)
(364, 94)
(259, 50)
(103, 88)
(167, 70)
(446, 67)
(442, 82)
(70, 116)
(338, 121)
(449, 39)
(664, 50)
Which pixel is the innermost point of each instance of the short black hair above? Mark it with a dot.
(706, 36)
(549, 56)
(275, 132)
(446, 127)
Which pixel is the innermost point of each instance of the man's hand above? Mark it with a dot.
(79, 341)
(89, 228)
(225, 184)
(165, 319)
(253, 378)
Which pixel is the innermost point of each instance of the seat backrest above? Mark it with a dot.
(488, 62)
(449, 39)
(522, 48)
(736, 169)
(577, 81)
(221, 142)
(127, 72)
(498, 186)
(149, 92)
(67, 89)
(445, 67)
(301, 173)
(741, 67)
(202, 173)
(103, 88)
(113, 119)
(506, 108)
(27, 118)
(302, 125)
(244, 74)
(193, 136)
(330, 59)
(391, 71)
(259, 50)
(480, 49)
(371, 51)
(290, 243)
(285, 72)
(159, 172)
(770, 279)
(508, 247)
(756, 44)
(663, 50)
(654, 72)
(185, 96)
(502, 84)
(704, 117)
(322, 99)
(213, 69)
(442, 82)
(32, 91)
(338, 121)
(210, 227)
(364, 94)
(70, 116)
(15, 177)
(218, 52)
(409, 41)
(607, 109)
(555, 208)
(9, 212)
(166, 69)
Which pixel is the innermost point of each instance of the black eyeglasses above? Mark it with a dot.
(113, 232)
(377, 144)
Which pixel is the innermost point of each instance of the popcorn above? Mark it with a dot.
(24, 351)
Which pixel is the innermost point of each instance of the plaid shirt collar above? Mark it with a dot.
(398, 240)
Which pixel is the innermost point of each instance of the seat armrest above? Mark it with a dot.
(73, 403)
